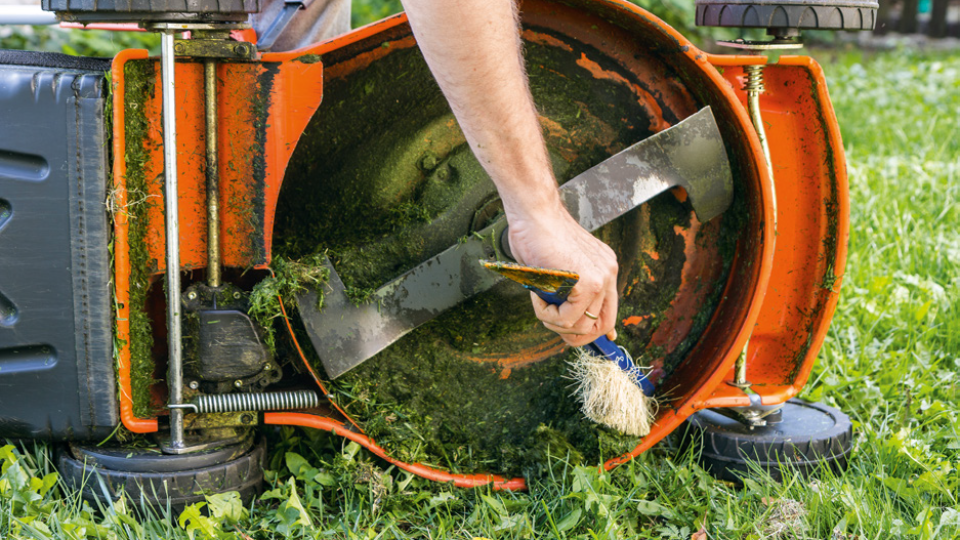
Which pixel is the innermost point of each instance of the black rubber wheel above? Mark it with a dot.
(809, 437)
(154, 481)
(784, 15)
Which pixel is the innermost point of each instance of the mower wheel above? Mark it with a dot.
(158, 482)
(809, 437)
(781, 17)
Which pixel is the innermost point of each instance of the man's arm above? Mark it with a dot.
(473, 50)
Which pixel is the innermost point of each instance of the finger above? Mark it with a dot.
(588, 330)
(585, 295)
(547, 313)
(608, 315)
(568, 316)
(596, 310)
(578, 335)
(563, 331)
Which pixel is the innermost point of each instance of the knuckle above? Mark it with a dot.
(593, 287)
(583, 327)
(557, 325)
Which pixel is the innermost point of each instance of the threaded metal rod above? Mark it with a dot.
(213, 172)
(273, 401)
(754, 87)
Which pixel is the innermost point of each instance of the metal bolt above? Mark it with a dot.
(246, 419)
(194, 385)
(236, 295)
(444, 173)
(192, 295)
(178, 47)
(429, 162)
(238, 383)
(240, 49)
(268, 366)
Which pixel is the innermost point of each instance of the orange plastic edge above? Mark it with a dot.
(771, 394)
(122, 246)
(280, 138)
(673, 418)
(843, 214)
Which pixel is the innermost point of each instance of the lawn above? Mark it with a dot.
(891, 360)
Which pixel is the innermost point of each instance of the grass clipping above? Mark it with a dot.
(289, 279)
(610, 396)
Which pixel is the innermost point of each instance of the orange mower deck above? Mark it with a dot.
(785, 276)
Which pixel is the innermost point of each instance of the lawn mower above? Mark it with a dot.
(316, 206)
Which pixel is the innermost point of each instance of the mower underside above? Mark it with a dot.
(348, 150)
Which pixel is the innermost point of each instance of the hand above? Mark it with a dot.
(556, 240)
(479, 66)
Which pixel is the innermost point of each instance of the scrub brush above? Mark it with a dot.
(613, 390)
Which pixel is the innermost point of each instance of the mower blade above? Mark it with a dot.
(690, 154)
(345, 334)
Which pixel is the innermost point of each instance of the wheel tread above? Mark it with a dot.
(178, 488)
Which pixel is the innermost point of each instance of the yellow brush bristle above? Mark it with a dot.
(610, 396)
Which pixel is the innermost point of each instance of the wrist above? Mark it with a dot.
(534, 203)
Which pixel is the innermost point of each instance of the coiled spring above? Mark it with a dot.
(272, 401)
(754, 81)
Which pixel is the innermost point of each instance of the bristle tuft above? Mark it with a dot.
(610, 396)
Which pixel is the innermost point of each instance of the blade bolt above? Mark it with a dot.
(429, 162)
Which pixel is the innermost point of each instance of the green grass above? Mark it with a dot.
(102, 43)
(891, 360)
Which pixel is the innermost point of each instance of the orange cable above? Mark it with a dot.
(316, 378)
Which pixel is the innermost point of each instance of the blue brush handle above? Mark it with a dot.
(602, 346)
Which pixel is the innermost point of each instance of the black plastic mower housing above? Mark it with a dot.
(57, 376)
